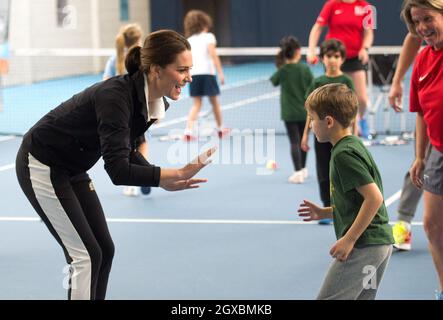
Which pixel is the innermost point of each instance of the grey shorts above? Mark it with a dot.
(433, 174)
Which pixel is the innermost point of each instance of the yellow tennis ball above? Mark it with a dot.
(400, 232)
(271, 165)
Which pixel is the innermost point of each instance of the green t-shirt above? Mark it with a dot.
(322, 80)
(294, 79)
(352, 166)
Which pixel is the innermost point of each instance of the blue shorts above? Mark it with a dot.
(204, 85)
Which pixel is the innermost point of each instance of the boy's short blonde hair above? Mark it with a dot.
(335, 100)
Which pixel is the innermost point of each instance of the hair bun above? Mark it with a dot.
(132, 62)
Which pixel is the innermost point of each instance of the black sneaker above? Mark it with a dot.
(145, 190)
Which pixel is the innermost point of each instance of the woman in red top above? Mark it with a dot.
(425, 19)
(351, 22)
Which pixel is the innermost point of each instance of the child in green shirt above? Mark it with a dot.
(333, 55)
(295, 78)
(364, 237)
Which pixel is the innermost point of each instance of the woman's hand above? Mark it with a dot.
(312, 58)
(177, 185)
(395, 96)
(416, 172)
(193, 167)
(363, 56)
(183, 178)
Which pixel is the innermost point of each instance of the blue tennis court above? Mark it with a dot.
(238, 237)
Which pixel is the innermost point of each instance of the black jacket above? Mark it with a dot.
(106, 120)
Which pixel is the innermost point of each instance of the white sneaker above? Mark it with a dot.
(297, 177)
(305, 172)
(131, 191)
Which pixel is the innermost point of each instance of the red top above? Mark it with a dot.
(346, 22)
(426, 93)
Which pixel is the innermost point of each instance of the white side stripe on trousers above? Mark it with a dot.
(40, 176)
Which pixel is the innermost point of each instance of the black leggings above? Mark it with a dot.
(295, 133)
(71, 210)
(322, 157)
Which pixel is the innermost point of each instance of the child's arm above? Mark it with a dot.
(305, 139)
(313, 212)
(217, 62)
(275, 78)
(373, 199)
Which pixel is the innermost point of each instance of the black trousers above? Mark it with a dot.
(322, 159)
(70, 208)
(295, 133)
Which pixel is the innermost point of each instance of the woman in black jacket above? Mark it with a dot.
(103, 120)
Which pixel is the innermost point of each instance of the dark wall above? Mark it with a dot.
(242, 23)
(166, 14)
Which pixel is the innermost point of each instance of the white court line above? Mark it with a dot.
(6, 138)
(187, 221)
(388, 202)
(7, 167)
(393, 198)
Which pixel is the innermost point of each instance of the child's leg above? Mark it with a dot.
(322, 157)
(193, 113)
(295, 141)
(216, 109)
(359, 276)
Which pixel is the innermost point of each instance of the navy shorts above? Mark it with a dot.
(204, 85)
(353, 64)
(433, 174)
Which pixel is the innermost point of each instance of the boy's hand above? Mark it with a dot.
(304, 145)
(311, 211)
(341, 249)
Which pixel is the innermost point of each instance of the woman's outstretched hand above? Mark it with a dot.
(184, 179)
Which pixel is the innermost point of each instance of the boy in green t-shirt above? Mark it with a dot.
(364, 237)
(332, 55)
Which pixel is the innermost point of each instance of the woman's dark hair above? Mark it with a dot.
(332, 45)
(288, 46)
(160, 48)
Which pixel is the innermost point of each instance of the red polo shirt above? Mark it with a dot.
(346, 22)
(426, 93)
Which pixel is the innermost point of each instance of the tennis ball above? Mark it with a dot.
(271, 165)
(400, 232)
